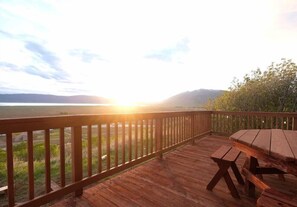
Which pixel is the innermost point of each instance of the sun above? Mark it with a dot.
(126, 100)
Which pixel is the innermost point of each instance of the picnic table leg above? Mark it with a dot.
(250, 187)
(260, 176)
(221, 172)
(231, 185)
(237, 174)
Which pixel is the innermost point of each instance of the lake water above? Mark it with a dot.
(52, 104)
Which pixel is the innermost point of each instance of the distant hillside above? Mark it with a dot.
(195, 98)
(40, 98)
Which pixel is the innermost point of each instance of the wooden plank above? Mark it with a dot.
(249, 136)
(262, 141)
(116, 144)
(183, 128)
(221, 152)
(152, 135)
(76, 156)
(125, 189)
(114, 197)
(147, 136)
(238, 134)
(123, 142)
(10, 171)
(172, 130)
(30, 165)
(292, 140)
(47, 161)
(176, 130)
(165, 133)
(99, 146)
(62, 156)
(90, 198)
(159, 138)
(141, 138)
(273, 198)
(254, 179)
(89, 150)
(161, 195)
(130, 141)
(232, 155)
(280, 147)
(108, 146)
(136, 139)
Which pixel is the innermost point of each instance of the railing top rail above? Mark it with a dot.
(289, 114)
(51, 122)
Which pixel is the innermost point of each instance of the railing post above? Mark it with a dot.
(76, 154)
(192, 127)
(159, 138)
(10, 173)
(209, 126)
(295, 123)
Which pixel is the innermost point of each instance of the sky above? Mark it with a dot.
(139, 50)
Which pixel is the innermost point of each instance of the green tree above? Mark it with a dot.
(275, 89)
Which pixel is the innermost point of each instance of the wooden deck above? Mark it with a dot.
(179, 179)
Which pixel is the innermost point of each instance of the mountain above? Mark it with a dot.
(41, 98)
(195, 98)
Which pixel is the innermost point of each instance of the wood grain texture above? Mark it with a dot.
(263, 140)
(221, 152)
(249, 136)
(292, 140)
(238, 134)
(62, 156)
(30, 165)
(280, 146)
(273, 198)
(179, 179)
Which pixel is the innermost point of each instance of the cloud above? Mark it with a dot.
(23, 54)
(35, 71)
(6, 34)
(85, 55)
(291, 18)
(31, 70)
(44, 55)
(168, 54)
(10, 66)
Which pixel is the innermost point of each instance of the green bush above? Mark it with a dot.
(2, 155)
(21, 153)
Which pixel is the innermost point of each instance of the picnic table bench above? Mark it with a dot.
(225, 157)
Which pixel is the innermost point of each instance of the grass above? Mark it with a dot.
(21, 164)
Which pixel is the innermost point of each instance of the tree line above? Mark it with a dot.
(271, 90)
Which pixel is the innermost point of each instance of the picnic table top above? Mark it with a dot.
(276, 143)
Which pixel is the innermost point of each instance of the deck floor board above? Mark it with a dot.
(179, 179)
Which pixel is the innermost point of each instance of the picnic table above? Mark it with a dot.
(276, 147)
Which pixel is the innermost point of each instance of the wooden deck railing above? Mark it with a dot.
(226, 123)
(90, 148)
(93, 147)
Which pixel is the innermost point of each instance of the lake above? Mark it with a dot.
(52, 104)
